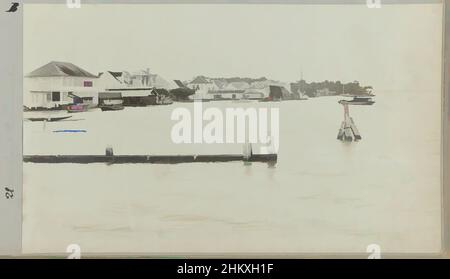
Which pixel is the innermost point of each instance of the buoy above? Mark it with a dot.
(247, 151)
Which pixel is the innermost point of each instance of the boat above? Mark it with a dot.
(111, 107)
(48, 119)
(362, 100)
(303, 96)
(111, 104)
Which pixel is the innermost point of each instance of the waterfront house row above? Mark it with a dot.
(57, 84)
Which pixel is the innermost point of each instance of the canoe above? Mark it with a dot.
(111, 107)
(48, 119)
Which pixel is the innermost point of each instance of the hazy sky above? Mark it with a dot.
(397, 47)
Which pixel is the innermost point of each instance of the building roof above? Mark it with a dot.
(159, 82)
(60, 69)
(116, 75)
(179, 83)
(200, 80)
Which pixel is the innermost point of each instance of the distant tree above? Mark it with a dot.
(310, 89)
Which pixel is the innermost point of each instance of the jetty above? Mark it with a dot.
(110, 158)
(147, 159)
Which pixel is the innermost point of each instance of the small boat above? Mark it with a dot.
(362, 100)
(112, 104)
(48, 119)
(111, 107)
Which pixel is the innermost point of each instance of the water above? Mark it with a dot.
(324, 196)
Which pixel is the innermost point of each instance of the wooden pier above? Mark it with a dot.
(149, 159)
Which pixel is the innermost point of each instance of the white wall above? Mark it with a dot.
(36, 90)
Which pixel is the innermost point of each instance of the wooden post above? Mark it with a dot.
(346, 112)
(348, 130)
(340, 135)
(109, 151)
(354, 129)
(148, 159)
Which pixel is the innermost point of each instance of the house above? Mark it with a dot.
(56, 84)
(139, 79)
(202, 83)
(110, 79)
(140, 88)
(202, 86)
(144, 78)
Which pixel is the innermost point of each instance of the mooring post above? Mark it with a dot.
(348, 134)
(346, 112)
(340, 135)
(247, 151)
(354, 129)
(109, 151)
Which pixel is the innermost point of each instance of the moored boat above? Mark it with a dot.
(48, 119)
(111, 107)
(111, 104)
(359, 100)
(77, 108)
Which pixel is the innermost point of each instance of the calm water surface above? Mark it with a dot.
(323, 195)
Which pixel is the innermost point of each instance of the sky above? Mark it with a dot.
(396, 47)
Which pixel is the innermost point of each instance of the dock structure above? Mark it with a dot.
(348, 131)
(109, 158)
(147, 159)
